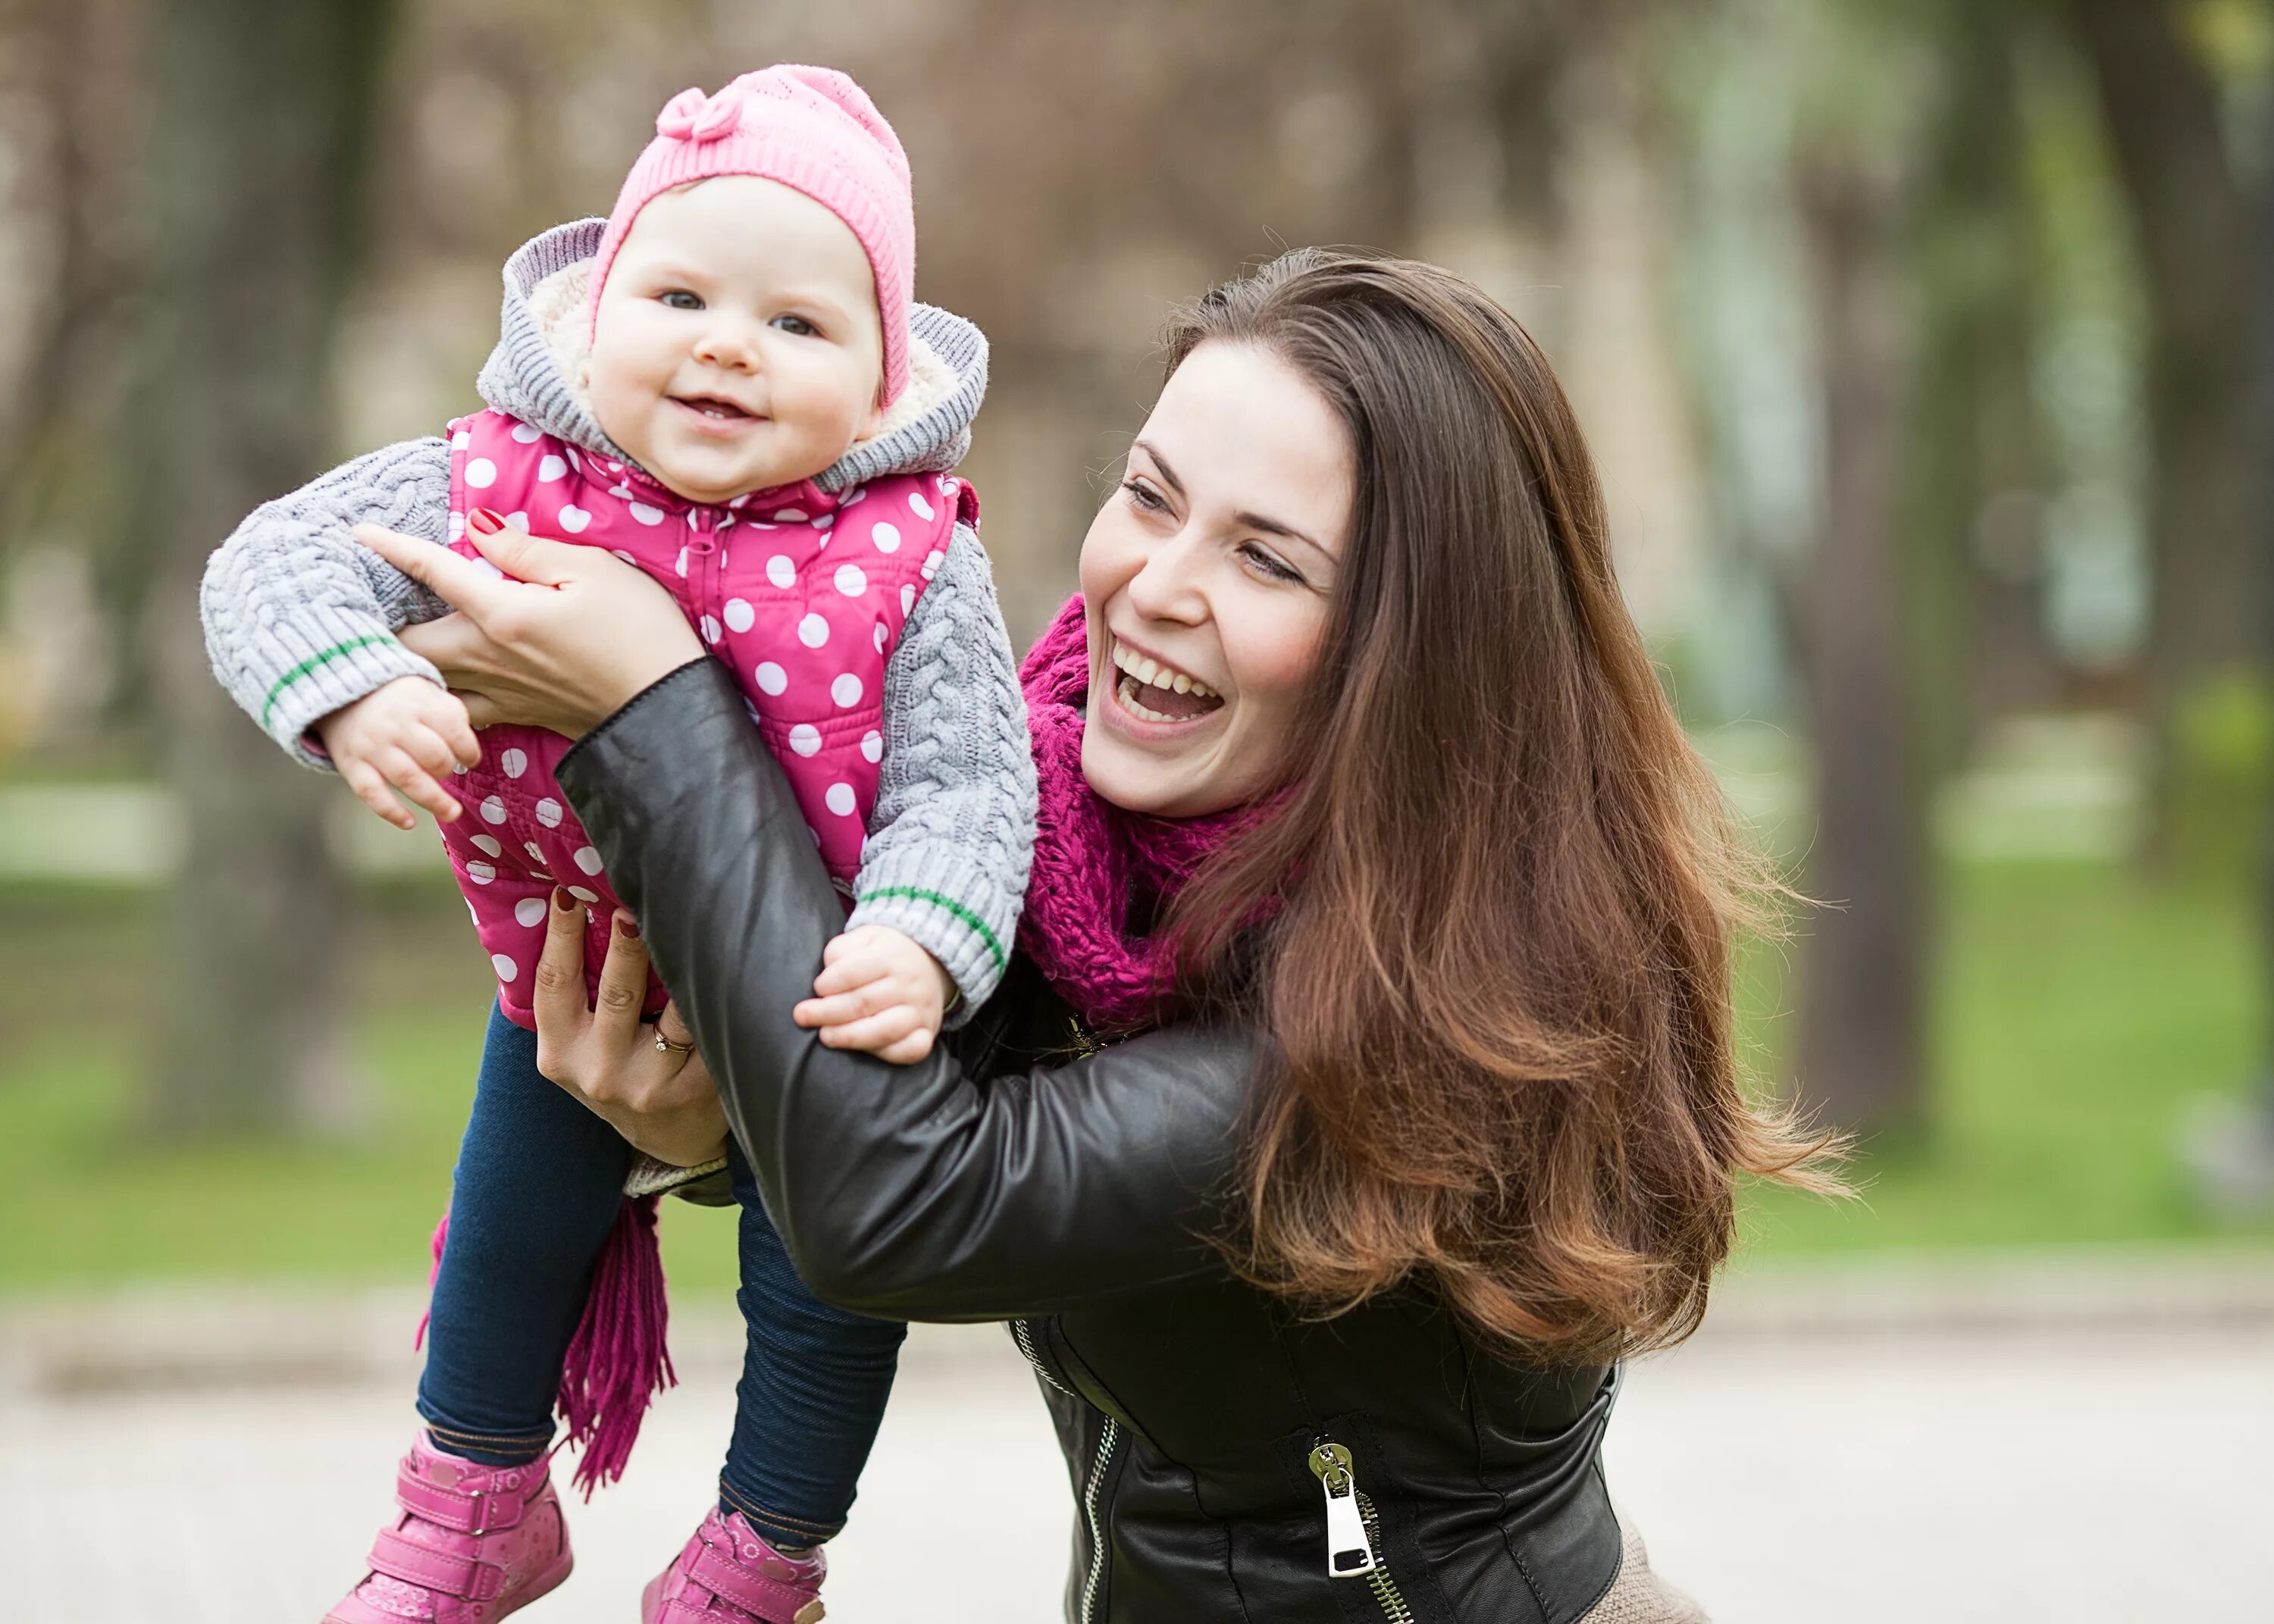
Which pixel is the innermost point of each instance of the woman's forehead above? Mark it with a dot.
(1241, 430)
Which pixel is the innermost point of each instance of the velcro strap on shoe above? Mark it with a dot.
(770, 1600)
(466, 1577)
(480, 1513)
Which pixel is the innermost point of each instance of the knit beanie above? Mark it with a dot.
(814, 131)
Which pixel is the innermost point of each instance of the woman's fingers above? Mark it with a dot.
(562, 1012)
(528, 557)
(481, 709)
(671, 1027)
(457, 582)
(623, 984)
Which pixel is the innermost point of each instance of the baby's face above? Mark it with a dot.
(738, 345)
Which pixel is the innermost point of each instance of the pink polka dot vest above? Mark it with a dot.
(802, 593)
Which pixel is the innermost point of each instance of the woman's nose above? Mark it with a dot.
(1167, 586)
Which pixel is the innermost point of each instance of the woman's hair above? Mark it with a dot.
(1500, 887)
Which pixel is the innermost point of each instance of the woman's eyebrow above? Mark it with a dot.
(1248, 519)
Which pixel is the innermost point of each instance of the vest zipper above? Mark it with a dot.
(1354, 1531)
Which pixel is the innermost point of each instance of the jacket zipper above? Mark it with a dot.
(1022, 1334)
(1106, 1440)
(1354, 1531)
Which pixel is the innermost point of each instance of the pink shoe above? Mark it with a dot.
(473, 1544)
(729, 1574)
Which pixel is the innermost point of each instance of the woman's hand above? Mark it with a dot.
(570, 636)
(662, 1100)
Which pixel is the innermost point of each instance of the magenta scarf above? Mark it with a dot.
(1092, 859)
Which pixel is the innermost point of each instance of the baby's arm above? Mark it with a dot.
(944, 865)
(299, 618)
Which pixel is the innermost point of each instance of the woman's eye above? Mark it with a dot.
(679, 299)
(798, 326)
(1144, 496)
(1277, 569)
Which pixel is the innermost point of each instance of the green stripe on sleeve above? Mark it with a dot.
(338, 651)
(954, 907)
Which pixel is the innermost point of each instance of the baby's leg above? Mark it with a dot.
(814, 1383)
(535, 1190)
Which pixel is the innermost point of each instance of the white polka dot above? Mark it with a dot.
(932, 561)
(573, 519)
(780, 572)
(739, 616)
(918, 505)
(736, 501)
(488, 843)
(513, 763)
(493, 808)
(872, 745)
(460, 440)
(620, 552)
(824, 521)
(526, 434)
(850, 581)
(879, 638)
(582, 895)
(588, 859)
(711, 630)
(887, 538)
(647, 514)
(535, 852)
(783, 515)
(507, 970)
(805, 738)
(907, 599)
(846, 690)
(813, 631)
(517, 520)
(457, 525)
(548, 812)
(772, 678)
(839, 799)
(852, 496)
(550, 468)
(481, 473)
(681, 565)
(472, 914)
(479, 872)
(530, 910)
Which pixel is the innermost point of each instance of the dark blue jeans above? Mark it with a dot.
(535, 1193)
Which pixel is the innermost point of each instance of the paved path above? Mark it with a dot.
(2081, 1477)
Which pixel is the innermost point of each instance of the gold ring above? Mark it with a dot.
(665, 1046)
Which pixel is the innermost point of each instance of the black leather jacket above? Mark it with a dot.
(1021, 1174)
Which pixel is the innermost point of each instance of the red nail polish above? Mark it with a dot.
(628, 926)
(485, 522)
(561, 899)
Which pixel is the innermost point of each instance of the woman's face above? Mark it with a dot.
(1207, 577)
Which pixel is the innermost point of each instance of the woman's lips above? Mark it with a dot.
(1147, 712)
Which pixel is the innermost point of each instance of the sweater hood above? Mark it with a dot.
(544, 336)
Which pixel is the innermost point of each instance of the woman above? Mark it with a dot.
(1363, 1087)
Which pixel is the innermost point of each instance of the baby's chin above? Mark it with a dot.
(715, 481)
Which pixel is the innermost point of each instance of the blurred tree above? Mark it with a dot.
(2200, 245)
(255, 174)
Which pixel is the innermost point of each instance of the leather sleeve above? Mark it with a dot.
(908, 1192)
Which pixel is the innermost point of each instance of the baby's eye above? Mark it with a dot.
(798, 326)
(680, 298)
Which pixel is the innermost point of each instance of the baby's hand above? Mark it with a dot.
(409, 733)
(880, 992)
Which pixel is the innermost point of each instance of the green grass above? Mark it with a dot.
(2078, 1013)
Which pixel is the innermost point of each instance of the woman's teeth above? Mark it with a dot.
(1152, 674)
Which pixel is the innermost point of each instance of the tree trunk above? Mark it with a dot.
(2199, 249)
(256, 163)
(1861, 1046)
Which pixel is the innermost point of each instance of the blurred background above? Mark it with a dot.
(1925, 348)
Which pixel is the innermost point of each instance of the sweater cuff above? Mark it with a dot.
(324, 657)
(950, 906)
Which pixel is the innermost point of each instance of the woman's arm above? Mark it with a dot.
(902, 1190)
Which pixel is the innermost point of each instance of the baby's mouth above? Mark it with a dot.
(716, 408)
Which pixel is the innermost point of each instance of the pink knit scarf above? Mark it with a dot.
(1093, 861)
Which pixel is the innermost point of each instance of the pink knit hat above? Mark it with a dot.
(813, 130)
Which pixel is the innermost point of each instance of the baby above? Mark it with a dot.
(728, 384)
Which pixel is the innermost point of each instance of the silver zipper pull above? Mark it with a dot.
(1349, 1552)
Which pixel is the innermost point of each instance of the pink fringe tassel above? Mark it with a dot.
(617, 1362)
(434, 1246)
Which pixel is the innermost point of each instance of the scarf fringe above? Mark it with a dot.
(618, 1360)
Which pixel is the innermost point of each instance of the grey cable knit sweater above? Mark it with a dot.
(299, 619)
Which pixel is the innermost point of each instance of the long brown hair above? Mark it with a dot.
(1501, 889)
